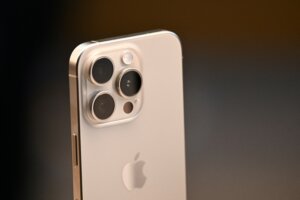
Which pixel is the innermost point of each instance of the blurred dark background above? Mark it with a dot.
(241, 81)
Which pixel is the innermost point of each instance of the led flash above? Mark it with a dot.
(127, 58)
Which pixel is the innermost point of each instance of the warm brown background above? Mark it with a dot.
(217, 21)
(242, 91)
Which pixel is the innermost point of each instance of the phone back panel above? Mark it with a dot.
(155, 136)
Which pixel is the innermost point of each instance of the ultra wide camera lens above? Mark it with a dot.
(130, 83)
(101, 70)
(103, 106)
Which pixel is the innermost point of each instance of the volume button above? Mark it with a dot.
(75, 150)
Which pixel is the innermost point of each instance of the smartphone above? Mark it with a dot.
(127, 118)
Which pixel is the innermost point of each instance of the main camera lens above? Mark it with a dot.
(130, 83)
(103, 106)
(102, 70)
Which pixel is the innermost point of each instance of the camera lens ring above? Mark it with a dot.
(109, 104)
(109, 71)
(119, 81)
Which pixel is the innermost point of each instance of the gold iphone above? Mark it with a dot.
(127, 118)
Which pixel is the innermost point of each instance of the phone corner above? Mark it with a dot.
(75, 56)
(173, 36)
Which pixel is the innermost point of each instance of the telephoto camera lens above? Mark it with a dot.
(130, 83)
(102, 70)
(103, 106)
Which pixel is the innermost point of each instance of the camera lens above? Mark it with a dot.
(103, 106)
(102, 70)
(130, 83)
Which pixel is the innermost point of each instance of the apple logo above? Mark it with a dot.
(133, 175)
